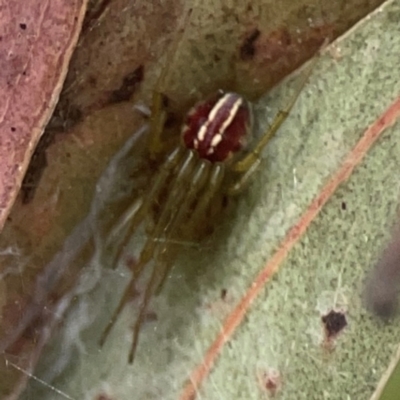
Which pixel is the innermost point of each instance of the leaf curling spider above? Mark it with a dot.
(215, 158)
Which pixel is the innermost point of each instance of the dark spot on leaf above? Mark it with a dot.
(92, 80)
(103, 396)
(64, 118)
(224, 292)
(150, 316)
(247, 50)
(13, 129)
(171, 120)
(225, 202)
(334, 322)
(217, 58)
(165, 100)
(128, 87)
(22, 26)
(270, 381)
(344, 206)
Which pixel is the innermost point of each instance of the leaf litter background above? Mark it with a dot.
(94, 117)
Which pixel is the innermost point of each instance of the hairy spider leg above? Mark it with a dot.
(251, 161)
(134, 215)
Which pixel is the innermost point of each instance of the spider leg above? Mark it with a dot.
(242, 182)
(162, 263)
(152, 245)
(250, 162)
(172, 205)
(126, 295)
(142, 311)
(216, 177)
(197, 184)
(158, 112)
(120, 233)
(156, 244)
(157, 122)
(134, 215)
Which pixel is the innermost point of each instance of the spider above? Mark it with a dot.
(215, 158)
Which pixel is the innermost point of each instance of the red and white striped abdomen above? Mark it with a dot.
(216, 128)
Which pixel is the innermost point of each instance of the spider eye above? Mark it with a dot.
(216, 128)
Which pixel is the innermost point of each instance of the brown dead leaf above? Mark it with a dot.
(36, 42)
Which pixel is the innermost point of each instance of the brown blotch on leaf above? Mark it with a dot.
(270, 381)
(224, 292)
(248, 50)
(334, 322)
(64, 118)
(103, 396)
(129, 85)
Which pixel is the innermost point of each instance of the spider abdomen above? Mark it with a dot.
(217, 128)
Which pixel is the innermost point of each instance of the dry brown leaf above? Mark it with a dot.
(36, 42)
